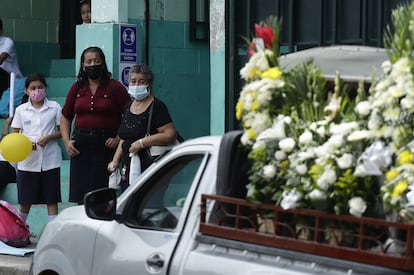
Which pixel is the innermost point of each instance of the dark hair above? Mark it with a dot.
(143, 69)
(34, 77)
(84, 2)
(106, 75)
(1, 25)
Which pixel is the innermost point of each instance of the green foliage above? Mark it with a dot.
(276, 24)
(307, 92)
(399, 39)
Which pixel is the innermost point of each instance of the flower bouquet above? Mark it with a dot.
(313, 148)
(304, 140)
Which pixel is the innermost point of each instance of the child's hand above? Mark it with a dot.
(42, 141)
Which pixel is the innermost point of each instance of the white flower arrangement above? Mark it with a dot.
(314, 148)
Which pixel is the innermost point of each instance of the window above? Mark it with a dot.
(160, 203)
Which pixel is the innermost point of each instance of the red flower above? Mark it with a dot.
(266, 33)
(252, 49)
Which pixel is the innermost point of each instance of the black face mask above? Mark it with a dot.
(94, 71)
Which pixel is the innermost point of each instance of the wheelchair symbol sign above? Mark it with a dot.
(128, 44)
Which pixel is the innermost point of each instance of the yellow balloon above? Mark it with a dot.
(15, 147)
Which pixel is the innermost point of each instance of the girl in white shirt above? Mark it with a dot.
(38, 176)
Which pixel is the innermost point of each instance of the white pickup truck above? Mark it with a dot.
(186, 215)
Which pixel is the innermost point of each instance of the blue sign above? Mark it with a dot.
(125, 76)
(128, 47)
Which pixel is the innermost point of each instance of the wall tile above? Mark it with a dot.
(15, 9)
(31, 30)
(46, 9)
(166, 34)
(136, 10)
(177, 10)
(52, 31)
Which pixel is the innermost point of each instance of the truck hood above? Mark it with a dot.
(74, 212)
(67, 255)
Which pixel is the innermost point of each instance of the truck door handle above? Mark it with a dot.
(155, 260)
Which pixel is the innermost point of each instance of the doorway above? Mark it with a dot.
(70, 17)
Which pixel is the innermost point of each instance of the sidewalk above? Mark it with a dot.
(16, 265)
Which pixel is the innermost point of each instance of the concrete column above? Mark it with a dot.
(112, 11)
(217, 67)
(109, 31)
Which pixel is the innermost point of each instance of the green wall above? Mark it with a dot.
(34, 26)
(182, 76)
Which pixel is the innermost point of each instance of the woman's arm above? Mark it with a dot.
(117, 157)
(166, 135)
(65, 128)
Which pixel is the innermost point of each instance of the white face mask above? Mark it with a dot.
(138, 92)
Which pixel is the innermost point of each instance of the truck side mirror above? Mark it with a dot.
(100, 204)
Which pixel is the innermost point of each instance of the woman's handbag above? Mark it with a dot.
(153, 152)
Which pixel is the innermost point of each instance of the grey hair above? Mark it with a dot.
(142, 69)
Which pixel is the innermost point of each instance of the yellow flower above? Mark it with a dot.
(272, 73)
(400, 188)
(405, 157)
(239, 109)
(255, 71)
(255, 106)
(391, 175)
(251, 134)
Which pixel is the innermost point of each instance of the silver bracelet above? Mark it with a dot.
(141, 143)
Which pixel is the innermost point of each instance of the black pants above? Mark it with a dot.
(7, 174)
(4, 81)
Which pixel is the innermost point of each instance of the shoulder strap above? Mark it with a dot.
(149, 120)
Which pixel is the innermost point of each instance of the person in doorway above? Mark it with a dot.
(95, 103)
(8, 61)
(38, 176)
(85, 11)
(134, 123)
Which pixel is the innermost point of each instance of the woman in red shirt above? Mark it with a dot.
(95, 103)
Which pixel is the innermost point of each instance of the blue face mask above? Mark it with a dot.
(138, 92)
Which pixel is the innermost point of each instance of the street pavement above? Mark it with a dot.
(16, 265)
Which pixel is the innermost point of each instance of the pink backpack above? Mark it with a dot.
(13, 229)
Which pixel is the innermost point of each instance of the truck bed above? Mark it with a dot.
(365, 244)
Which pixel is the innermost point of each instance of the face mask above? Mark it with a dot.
(94, 71)
(37, 95)
(138, 92)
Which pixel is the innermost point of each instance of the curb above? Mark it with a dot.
(17, 265)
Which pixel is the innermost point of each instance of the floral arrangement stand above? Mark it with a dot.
(359, 239)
